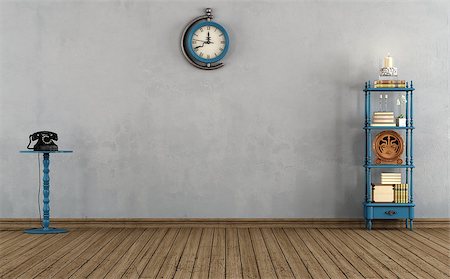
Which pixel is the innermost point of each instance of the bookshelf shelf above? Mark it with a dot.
(404, 89)
(388, 128)
(389, 166)
(375, 210)
(389, 204)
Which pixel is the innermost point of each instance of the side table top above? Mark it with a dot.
(59, 151)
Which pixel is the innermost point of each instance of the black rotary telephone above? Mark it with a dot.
(44, 141)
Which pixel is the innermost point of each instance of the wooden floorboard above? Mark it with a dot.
(226, 253)
(249, 262)
(54, 266)
(395, 254)
(263, 260)
(444, 238)
(296, 263)
(187, 260)
(314, 267)
(203, 259)
(342, 255)
(233, 266)
(38, 263)
(6, 236)
(430, 236)
(280, 264)
(418, 252)
(369, 252)
(217, 263)
(155, 263)
(169, 266)
(86, 255)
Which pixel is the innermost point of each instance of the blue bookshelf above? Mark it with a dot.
(373, 210)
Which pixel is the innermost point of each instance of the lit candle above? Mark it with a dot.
(388, 61)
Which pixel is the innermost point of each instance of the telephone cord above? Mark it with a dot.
(39, 189)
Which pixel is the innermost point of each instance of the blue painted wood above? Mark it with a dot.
(389, 166)
(387, 128)
(374, 211)
(378, 204)
(46, 229)
(390, 212)
(366, 155)
(390, 89)
(411, 157)
(407, 139)
(46, 191)
(369, 146)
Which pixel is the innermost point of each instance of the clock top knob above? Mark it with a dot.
(208, 12)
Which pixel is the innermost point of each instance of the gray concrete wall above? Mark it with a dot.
(277, 132)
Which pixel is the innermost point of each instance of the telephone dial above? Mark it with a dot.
(45, 141)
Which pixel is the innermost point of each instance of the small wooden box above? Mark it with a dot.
(383, 193)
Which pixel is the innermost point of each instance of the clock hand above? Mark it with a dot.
(198, 40)
(200, 46)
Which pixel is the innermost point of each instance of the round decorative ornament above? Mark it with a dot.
(388, 148)
(204, 43)
(388, 72)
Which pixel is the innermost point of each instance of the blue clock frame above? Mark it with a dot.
(190, 34)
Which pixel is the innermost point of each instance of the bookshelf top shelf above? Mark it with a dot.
(389, 166)
(388, 128)
(402, 89)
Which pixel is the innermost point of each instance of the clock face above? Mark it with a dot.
(208, 42)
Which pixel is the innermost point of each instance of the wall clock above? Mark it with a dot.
(204, 42)
(388, 147)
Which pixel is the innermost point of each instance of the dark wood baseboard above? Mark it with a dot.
(22, 223)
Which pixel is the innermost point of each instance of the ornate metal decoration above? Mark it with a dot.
(388, 148)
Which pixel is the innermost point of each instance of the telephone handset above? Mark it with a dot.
(44, 141)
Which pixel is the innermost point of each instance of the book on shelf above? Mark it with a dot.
(381, 113)
(391, 174)
(401, 193)
(383, 118)
(389, 84)
(391, 178)
(386, 120)
(400, 85)
(389, 81)
(383, 124)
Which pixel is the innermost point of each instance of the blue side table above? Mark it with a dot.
(46, 191)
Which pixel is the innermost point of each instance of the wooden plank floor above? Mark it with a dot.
(227, 253)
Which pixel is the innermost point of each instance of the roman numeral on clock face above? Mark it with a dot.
(208, 42)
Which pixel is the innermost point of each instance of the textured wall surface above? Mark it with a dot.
(277, 132)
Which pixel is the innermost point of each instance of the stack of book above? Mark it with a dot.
(391, 178)
(383, 118)
(401, 193)
(389, 84)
